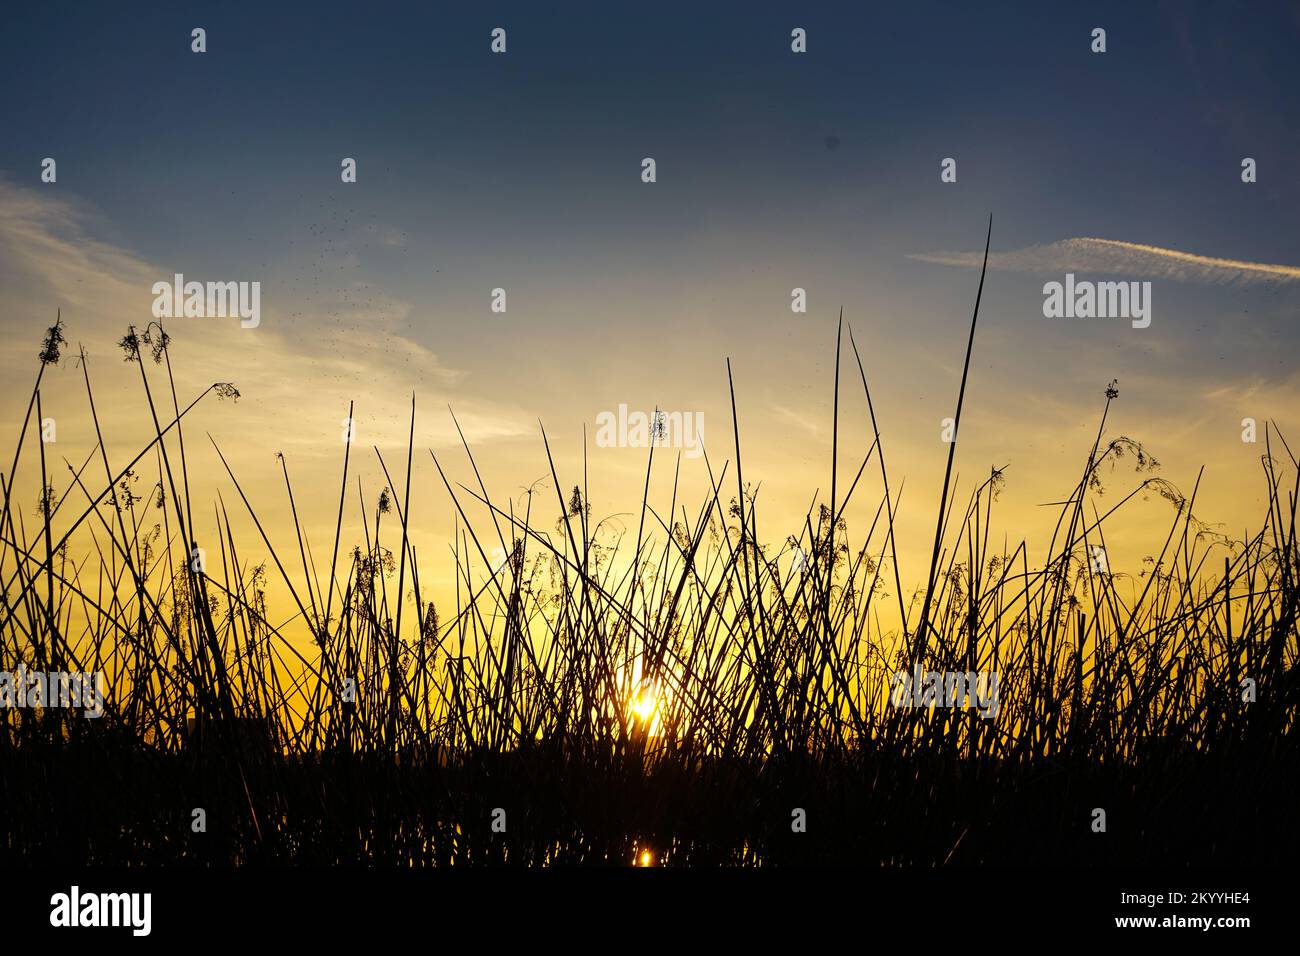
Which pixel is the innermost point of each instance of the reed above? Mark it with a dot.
(677, 692)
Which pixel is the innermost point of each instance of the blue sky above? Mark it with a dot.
(448, 136)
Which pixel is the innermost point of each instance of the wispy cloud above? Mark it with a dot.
(297, 372)
(790, 416)
(1123, 258)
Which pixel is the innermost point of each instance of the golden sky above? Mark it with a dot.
(1033, 403)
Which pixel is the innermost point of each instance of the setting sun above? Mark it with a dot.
(643, 705)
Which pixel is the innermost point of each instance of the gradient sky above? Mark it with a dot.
(775, 170)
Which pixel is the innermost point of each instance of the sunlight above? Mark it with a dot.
(644, 704)
(648, 707)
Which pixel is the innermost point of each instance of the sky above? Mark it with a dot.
(775, 170)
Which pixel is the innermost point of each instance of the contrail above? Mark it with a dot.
(1125, 258)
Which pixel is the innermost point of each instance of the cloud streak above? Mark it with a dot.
(1122, 258)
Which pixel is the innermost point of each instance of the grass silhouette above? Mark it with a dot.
(674, 693)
